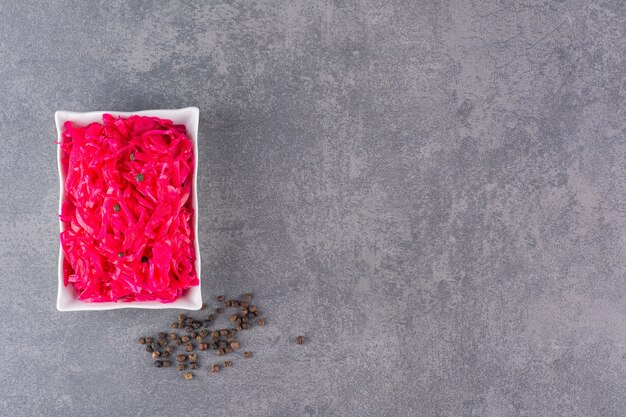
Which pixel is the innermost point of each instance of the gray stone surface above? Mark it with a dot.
(432, 191)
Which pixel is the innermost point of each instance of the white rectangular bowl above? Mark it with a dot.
(67, 298)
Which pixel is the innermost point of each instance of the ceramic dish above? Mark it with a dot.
(191, 299)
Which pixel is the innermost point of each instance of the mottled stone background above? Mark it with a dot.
(434, 192)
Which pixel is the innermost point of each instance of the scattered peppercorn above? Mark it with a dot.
(219, 352)
(193, 365)
(300, 340)
(228, 350)
(261, 322)
(211, 317)
(181, 318)
(247, 355)
(181, 366)
(223, 332)
(188, 375)
(247, 296)
(203, 346)
(156, 354)
(215, 368)
(193, 357)
(228, 364)
(167, 364)
(181, 358)
(220, 298)
(245, 326)
(172, 336)
(148, 340)
(189, 347)
(185, 339)
(252, 309)
(162, 342)
(169, 349)
(234, 344)
(142, 341)
(233, 317)
(149, 348)
(158, 364)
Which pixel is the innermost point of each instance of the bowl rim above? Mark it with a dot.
(192, 300)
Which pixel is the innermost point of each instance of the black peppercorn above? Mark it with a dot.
(149, 340)
(162, 342)
(181, 366)
(169, 349)
(228, 364)
(228, 350)
(245, 326)
(220, 298)
(233, 317)
(142, 341)
(189, 329)
(181, 318)
(223, 332)
(222, 344)
(188, 376)
(158, 364)
(172, 336)
(252, 309)
(215, 368)
(193, 365)
(189, 347)
(247, 355)
(219, 352)
(203, 346)
(156, 354)
(300, 340)
(149, 348)
(211, 317)
(213, 346)
(234, 344)
(167, 364)
(185, 339)
(181, 358)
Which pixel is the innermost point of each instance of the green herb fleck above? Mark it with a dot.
(139, 177)
(116, 208)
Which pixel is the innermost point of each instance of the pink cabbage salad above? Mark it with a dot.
(127, 210)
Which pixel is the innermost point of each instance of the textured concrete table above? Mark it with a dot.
(432, 191)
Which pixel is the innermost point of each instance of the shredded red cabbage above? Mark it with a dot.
(127, 209)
